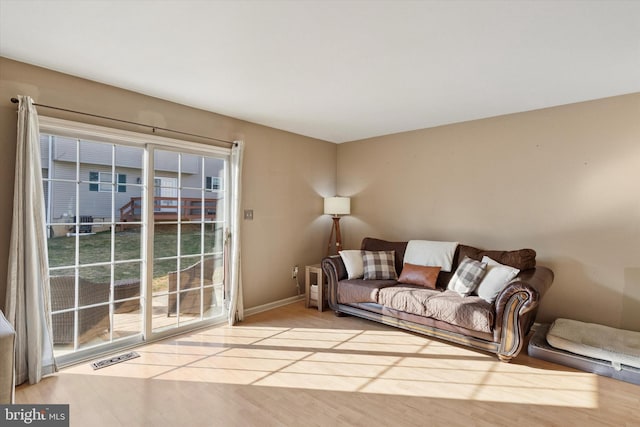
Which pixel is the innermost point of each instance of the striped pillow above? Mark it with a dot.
(380, 265)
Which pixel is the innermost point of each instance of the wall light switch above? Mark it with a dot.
(248, 214)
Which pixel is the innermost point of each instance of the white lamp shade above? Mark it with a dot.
(337, 206)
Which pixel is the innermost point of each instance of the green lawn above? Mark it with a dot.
(96, 248)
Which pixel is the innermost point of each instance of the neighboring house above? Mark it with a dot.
(93, 166)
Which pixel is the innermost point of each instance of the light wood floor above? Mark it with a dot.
(294, 366)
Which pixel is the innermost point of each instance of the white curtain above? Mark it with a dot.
(236, 305)
(27, 302)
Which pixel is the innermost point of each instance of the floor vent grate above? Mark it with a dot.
(113, 360)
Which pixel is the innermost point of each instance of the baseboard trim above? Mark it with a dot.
(271, 305)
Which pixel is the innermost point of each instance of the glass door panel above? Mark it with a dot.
(118, 231)
(94, 257)
(188, 238)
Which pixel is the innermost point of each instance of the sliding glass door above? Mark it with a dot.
(136, 236)
(188, 238)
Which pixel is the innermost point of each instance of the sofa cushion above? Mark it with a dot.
(467, 276)
(379, 265)
(469, 312)
(359, 290)
(352, 260)
(408, 298)
(521, 259)
(419, 275)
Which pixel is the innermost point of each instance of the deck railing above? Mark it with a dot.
(170, 208)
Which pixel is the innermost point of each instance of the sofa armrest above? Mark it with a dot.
(334, 269)
(516, 308)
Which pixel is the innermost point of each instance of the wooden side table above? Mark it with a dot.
(308, 286)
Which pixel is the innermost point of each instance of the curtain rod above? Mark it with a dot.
(15, 101)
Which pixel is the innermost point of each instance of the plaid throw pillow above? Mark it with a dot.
(467, 276)
(379, 265)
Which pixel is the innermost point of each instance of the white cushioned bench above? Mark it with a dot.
(598, 341)
(589, 347)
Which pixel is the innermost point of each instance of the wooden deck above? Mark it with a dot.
(170, 209)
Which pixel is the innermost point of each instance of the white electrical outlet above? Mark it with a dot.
(294, 272)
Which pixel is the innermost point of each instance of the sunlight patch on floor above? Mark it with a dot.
(363, 361)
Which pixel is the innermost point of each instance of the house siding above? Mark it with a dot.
(91, 203)
(96, 153)
(97, 158)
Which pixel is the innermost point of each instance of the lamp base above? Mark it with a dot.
(335, 228)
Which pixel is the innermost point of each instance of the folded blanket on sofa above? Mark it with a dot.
(431, 253)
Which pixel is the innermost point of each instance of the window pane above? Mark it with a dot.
(160, 319)
(218, 269)
(63, 155)
(166, 161)
(189, 304)
(95, 204)
(215, 206)
(214, 168)
(165, 240)
(128, 243)
(191, 240)
(93, 325)
(127, 286)
(94, 248)
(161, 271)
(127, 323)
(96, 153)
(63, 206)
(129, 159)
(62, 287)
(62, 252)
(190, 175)
(128, 207)
(106, 181)
(165, 201)
(96, 282)
(213, 238)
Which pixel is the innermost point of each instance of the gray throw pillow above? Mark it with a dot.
(379, 265)
(467, 276)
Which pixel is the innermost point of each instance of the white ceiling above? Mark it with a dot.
(339, 70)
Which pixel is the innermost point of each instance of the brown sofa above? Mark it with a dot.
(498, 327)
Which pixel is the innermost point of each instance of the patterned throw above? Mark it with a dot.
(379, 265)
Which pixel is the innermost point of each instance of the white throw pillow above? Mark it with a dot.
(496, 279)
(430, 253)
(352, 260)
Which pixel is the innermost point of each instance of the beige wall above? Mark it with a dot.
(564, 181)
(285, 175)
